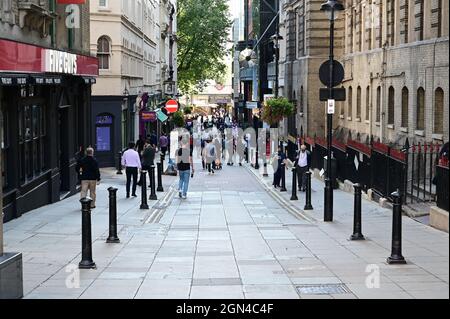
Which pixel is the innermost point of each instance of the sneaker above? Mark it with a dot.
(134, 195)
(184, 196)
(181, 195)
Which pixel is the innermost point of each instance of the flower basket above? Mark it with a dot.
(275, 110)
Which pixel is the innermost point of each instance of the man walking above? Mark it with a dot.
(184, 165)
(210, 156)
(302, 164)
(132, 162)
(89, 173)
(163, 143)
(148, 159)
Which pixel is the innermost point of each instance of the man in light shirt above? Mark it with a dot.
(132, 162)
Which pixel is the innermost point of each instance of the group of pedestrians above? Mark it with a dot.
(301, 164)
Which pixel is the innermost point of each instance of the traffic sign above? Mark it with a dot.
(338, 73)
(331, 106)
(337, 94)
(172, 106)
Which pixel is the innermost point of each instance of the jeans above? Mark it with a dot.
(184, 181)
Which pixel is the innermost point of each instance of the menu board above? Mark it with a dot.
(103, 139)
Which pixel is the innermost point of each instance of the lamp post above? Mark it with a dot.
(330, 7)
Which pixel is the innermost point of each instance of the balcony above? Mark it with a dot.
(35, 16)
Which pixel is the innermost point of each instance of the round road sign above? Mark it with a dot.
(338, 73)
(172, 106)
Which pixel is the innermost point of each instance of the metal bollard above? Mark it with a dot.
(144, 204)
(257, 159)
(283, 178)
(357, 223)
(113, 239)
(294, 184)
(152, 183)
(160, 171)
(119, 164)
(86, 235)
(265, 174)
(396, 253)
(308, 205)
(246, 154)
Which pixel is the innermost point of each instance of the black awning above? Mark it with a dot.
(14, 79)
(89, 80)
(42, 79)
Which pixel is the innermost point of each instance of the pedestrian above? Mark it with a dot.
(302, 165)
(87, 169)
(153, 139)
(210, 156)
(140, 144)
(132, 162)
(281, 159)
(163, 143)
(184, 165)
(148, 159)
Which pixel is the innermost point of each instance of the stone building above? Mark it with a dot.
(395, 55)
(46, 73)
(133, 41)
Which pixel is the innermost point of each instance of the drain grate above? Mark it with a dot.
(323, 289)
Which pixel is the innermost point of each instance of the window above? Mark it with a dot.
(391, 22)
(103, 52)
(301, 31)
(420, 122)
(419, 19)
(350, 28)
(358, 103)
(391, 106)
(439, 111)
(436, 18)
(405, 106)
(369, 24)
(379, 37)
(378, 104)
(368, 103)
(350, 102)
(103, 3)
(302, 102)
(404, 21)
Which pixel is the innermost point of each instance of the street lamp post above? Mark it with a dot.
(330, 7)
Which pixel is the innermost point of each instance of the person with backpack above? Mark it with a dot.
(210, 156)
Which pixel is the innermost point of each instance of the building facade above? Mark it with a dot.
(46, 73)
(395, 55)
(134, 42)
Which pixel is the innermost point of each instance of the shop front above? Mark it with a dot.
(45, 111)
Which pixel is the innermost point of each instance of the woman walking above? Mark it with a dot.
(185, 165)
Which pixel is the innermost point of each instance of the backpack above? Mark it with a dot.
(212, 151)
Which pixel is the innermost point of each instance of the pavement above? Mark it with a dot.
(234, 237)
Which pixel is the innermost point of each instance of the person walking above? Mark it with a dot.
(184, 166)
(281, 158)
(210, 156)
(132, 162)
(148, 159)
(302, 164)
(89, 173)
(163, 143)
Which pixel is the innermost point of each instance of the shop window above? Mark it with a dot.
(439, 111)
(405, 106)
(391, 105)
(103, 52)
(420, 122)
(378, 104)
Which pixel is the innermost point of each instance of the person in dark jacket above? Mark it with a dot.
(281, 158)
(148, 159)
(302, 165)
(87, 169)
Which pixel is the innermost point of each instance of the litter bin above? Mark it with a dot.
(334, 182)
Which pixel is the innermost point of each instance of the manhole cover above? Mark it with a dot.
(323, 289)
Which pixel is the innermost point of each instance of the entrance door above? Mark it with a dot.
(104, 135)
(63, 122)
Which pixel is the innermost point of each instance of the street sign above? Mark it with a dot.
(331, 106)
(337, 94)
(338, 73)
(172, 106)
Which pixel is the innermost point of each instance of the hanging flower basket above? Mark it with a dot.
(275, 110)
(178, 119)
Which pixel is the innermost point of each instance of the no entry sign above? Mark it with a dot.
(172, 106)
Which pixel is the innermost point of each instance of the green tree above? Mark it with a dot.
(203, 28)
(178, 119)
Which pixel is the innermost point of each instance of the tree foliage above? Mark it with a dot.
(275, 110)
(178, 119)
(203, 28)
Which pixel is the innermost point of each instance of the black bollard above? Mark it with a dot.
(119, 164)
(265, 174)
(160, 171)
(396, 253)
(152, 183)
(257, 159)
(112, 239)
(308, 205)
(294, 184)
(144, 204)
(246, 154)
(283, 178)
(357, 223)
(86, 235)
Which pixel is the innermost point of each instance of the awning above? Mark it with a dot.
(14, 79)
(42, 79)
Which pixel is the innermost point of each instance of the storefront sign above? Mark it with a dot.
(148, 116)
(104, 120)
(17, 57)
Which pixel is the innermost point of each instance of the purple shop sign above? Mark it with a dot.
(148, 116)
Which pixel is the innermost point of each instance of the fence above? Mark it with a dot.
(382, 168)
(442, 181)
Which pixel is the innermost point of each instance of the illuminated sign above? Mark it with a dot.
(60, 62)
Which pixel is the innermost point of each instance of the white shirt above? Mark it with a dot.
(303, 159)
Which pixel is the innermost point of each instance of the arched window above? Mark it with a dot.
(405, 106)
(391, 107)
(350, 102)
(378, 103)
(368, 103)
(103, 52)
(439, 111)
(420, 122)
(358, 103)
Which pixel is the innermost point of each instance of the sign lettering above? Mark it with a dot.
(60, 62)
